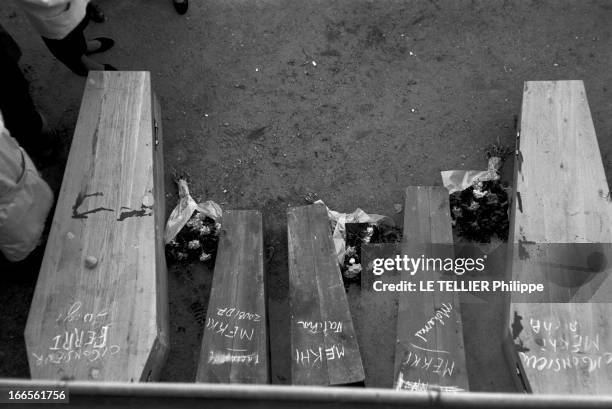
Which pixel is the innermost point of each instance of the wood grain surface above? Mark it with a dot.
(323, 343)
(235, 341)
(429, 352)
(100, 309)
(561, 344)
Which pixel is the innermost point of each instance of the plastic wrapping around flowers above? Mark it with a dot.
(340, 220)
(192, 229)
(459, 180)
(369, 228)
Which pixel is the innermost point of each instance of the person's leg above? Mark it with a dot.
(95, 13)
(21, 117)
(72, 50)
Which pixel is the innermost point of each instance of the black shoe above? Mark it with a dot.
(108, 67)
(105, 45)
(181, 6)
(95, 13)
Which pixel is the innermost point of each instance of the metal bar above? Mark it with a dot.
(104, 394)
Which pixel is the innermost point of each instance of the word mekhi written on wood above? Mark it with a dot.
(429, 351)
(240, 326)
(556, 346)
(561, 344)
(235, 343)
(324, 349)
(315, 355)
(420, 357)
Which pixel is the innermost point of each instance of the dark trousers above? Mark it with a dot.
(71, 48)
(21, 117)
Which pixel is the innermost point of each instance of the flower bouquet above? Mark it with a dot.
(479, 200)
(192, 230)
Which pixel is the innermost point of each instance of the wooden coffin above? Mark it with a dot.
(563, 343)
(235, 341)
(323, 343)
(99, 310)
(429, 352)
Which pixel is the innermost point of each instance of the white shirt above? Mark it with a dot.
(25, 199)
(11, 167)
(54, 19)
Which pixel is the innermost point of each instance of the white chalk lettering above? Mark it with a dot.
(219, 358)
(84, 335)
(320, 327)
(314, 356)
(441, 313)
(233, 312)
(566, 362)
(441, 366)
(419, 386)
(222, 328)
